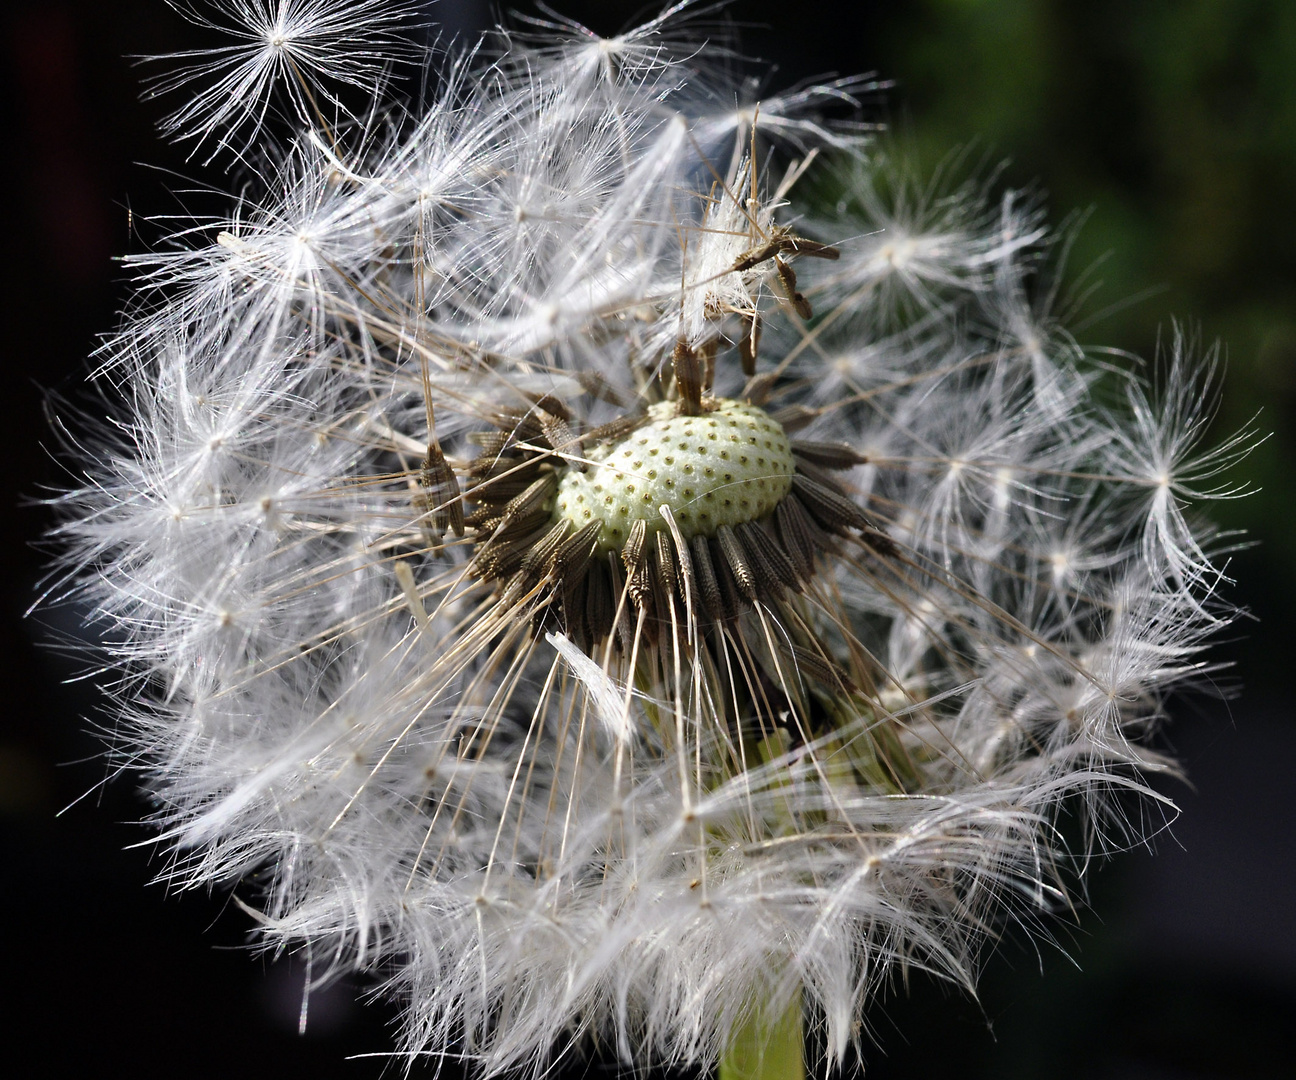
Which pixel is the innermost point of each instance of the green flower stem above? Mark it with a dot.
(765, 1048)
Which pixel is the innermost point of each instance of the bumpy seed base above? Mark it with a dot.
(724, 467)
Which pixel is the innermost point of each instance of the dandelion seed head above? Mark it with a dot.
(548, 566)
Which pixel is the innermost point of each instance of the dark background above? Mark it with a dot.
(1172, 121)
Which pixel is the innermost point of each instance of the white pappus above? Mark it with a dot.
(549, 568)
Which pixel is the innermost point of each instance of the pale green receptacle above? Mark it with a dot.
(726, 466)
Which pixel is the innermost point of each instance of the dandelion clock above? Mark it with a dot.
(606, 555)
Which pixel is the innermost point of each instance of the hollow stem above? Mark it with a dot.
(767, 1048)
